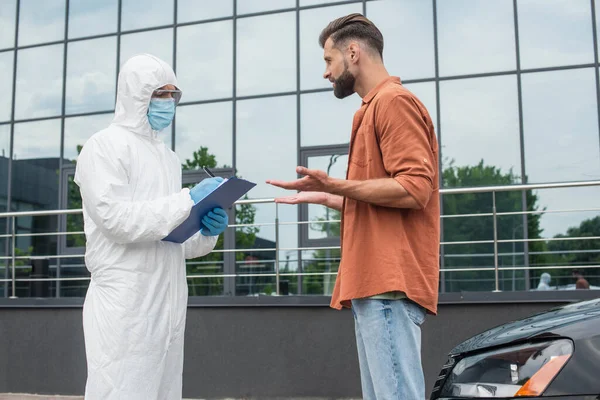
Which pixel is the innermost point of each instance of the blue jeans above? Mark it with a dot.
(388, 338)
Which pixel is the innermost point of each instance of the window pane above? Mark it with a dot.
(560, 118)
(304, 3)
(271, 66)
(266, 149)
(335, 165)
(39, 90)
(158, 43)
(312, 22)
(36, 156)
(91, 75)
(254, 6)
(79, 129)
(266, 128)
(205, 67)
(35, 179)
(206, 125)
(260, 259)
(196, 10)
(152, 13)
(4, 140)
(92, 17)
(6, 82)
(476, 36)
(555, 32)
(4, 155)
(327, 119)
(414, 36)
(41, 21)
(480, 123)
(8, 12)
(579, 253)
(425, 91)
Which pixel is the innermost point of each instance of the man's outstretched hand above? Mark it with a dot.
(314, 188)
(303, 197)
(314, 180)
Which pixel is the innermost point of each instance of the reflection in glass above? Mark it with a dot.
(79, 129)
(91, 75)
(8, 11)
(92, 17)
(312, 22)
(270, 67)
(327, 119)
(210, 75)
(206, 125)
(197, 10)
(266, 131)
(6, 83)
(414, 36)
(254, 6)
(425, 92)
(471, 229)
(322, 265)
(152, 13)
(39, 90)
(476, 36)
(158, 43)
(4, 156)
(304, 3)
(266, 149)
(480, 123)
(560, 119)
(580, 254)
(35, 177)
(335, 165)
(41, 21)
(258, 257)
(4, 141)
(555, 32)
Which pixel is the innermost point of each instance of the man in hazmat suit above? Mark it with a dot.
(130, 182)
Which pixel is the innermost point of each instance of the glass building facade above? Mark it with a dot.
(512, 86)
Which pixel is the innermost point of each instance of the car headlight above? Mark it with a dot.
(524, 370)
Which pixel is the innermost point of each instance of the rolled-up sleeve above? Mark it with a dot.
(406, 147)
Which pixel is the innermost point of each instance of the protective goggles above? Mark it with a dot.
(167, 94)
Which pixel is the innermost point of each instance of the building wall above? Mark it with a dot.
(511, 84)
(261, 348)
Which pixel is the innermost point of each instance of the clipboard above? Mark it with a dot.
(223, 196)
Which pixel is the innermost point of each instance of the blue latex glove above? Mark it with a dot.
(215, 222)
(202, 189)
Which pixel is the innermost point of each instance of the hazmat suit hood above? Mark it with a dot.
(139, 77)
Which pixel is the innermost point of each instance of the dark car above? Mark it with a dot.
(555, 354)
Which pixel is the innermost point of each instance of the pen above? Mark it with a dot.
(208, 172)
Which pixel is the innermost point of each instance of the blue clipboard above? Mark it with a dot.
(223, 196)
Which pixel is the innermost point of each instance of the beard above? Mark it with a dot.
(344, 84)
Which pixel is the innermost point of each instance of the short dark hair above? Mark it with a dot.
(353, 26)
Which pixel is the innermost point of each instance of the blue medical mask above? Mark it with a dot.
(160, 113)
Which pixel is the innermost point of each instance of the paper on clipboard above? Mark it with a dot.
(223, 196)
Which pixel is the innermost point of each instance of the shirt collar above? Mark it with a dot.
(373, 92)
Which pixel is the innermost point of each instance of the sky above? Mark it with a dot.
(479, 117)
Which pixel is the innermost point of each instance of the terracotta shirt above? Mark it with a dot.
(387, 249)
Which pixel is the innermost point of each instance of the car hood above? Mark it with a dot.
(536, 326)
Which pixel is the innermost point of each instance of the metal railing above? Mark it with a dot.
(277, 274)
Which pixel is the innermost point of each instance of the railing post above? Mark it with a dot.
(14, 246)
(277, 290)
(495, 242)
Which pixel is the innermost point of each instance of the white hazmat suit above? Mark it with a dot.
(135, 308)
